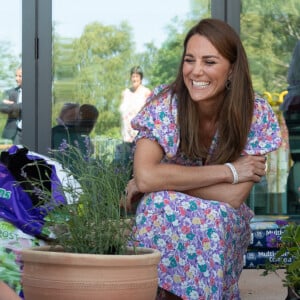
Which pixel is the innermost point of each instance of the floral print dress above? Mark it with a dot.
(202, 242)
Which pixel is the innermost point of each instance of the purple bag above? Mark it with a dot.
(17, 205)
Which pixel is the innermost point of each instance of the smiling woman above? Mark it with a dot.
(93, 47)
(193, 181)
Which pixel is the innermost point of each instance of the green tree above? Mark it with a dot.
(92, 69)
(64, 70)
(269, 31)
(164, 63)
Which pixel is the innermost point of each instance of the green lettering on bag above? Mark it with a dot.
(5, 194)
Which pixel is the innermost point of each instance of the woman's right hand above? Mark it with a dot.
(132, 194)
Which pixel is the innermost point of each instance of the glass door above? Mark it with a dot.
(270, 32)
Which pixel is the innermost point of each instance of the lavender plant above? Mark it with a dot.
(93, 221)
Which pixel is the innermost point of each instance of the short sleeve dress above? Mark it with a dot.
(202, 241)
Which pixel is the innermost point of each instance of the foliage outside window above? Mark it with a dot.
(269, 31)
(95, 67)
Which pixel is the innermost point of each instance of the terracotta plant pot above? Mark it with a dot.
(54, 274)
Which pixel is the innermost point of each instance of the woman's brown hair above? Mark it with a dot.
(236, 111)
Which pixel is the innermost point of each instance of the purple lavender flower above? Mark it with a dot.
(63, 146)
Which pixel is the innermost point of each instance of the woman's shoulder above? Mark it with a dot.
(265, 134)
(162, 99)
(263, 111)
(158, 120)
(260, 101)
(161, 92)
(160, 103)
(160, 89)
(262, 107)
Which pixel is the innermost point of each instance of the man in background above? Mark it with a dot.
(12, 106)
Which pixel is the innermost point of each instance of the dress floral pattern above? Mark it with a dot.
(202, 241)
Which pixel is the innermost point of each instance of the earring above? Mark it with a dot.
(228, 84)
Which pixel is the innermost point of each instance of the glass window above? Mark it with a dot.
(102, 55)
(10, 73)
(270, 31)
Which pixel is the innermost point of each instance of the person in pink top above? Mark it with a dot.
(133, 99)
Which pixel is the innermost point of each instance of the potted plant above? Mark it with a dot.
(288, 258)
(88, 257)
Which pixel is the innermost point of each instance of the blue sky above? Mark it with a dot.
(147, 18)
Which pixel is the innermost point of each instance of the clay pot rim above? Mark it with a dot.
(58, 256)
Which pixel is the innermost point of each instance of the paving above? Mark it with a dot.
(254, 286)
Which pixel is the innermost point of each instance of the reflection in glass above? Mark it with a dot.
(291, 113)
(269, 30)
(11, 105)
(74, 125)
(10, 73)
(92, 56)
(133, 99)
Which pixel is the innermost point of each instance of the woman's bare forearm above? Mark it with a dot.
(233, 194)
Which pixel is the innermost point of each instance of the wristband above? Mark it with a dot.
(234, 173)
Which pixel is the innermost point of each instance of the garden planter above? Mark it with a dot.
(53, 274)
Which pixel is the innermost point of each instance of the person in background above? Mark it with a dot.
(200, 147)
(133, 99)
(87, 118)
(66, 124)
(68, 115)
(12, 106)
(75, 123)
